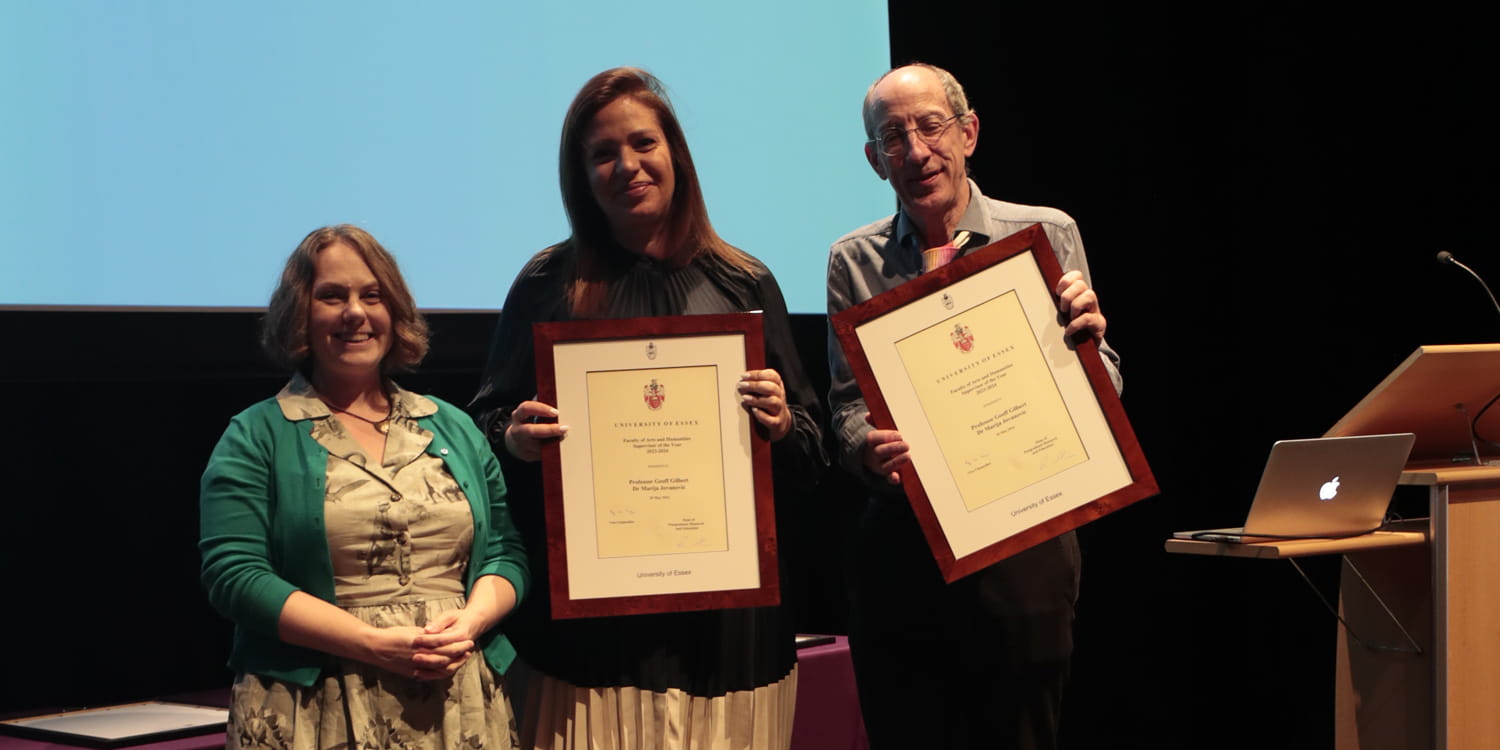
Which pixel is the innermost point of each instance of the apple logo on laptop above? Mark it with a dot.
(1329, 490)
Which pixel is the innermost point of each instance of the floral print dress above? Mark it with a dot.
(400, 534)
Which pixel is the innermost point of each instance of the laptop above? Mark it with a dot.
(1320, 488)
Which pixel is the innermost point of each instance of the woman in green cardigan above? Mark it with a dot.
(357, 533)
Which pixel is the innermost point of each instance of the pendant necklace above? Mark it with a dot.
(382, 425)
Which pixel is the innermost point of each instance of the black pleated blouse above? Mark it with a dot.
(704, 653)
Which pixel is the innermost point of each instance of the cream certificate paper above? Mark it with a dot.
(1004, 428)
(658, 480)
(994, 408)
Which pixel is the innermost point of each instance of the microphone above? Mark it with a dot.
(1447, 259)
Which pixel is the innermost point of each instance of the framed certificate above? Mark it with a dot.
(659, 499)
(1016, 433)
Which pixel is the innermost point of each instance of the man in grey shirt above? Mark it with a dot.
(981, 662)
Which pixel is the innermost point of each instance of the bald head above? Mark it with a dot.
(922, 74)
(922, 133)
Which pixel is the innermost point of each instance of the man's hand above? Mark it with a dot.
(1081, 305)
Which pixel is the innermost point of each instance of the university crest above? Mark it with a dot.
(655, 394)
(963, 339)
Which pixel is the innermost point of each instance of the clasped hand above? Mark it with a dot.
(434, 652)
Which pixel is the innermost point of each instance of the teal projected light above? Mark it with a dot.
(172, 153)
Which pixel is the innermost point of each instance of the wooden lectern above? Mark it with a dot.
(1418, 661)
(1439, 392)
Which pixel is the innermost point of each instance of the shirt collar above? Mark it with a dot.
(975, 220)
(299, 400)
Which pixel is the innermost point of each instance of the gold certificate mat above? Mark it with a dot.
(659, 498)
(658, 473)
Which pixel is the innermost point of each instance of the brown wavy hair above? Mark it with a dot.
(596, 256)
(283, 332)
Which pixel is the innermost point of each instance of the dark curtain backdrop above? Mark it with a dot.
(1262, 188)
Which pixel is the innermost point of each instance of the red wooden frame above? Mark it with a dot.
(1032, 240)
(549, 334)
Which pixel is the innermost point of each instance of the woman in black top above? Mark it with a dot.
(642, 245)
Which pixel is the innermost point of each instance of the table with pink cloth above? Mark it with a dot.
(828, 716)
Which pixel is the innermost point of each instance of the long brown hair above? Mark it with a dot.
(596, 254)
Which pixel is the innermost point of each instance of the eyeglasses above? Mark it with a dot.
(892, 141)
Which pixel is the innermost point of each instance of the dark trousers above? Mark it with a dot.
(978, 663)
